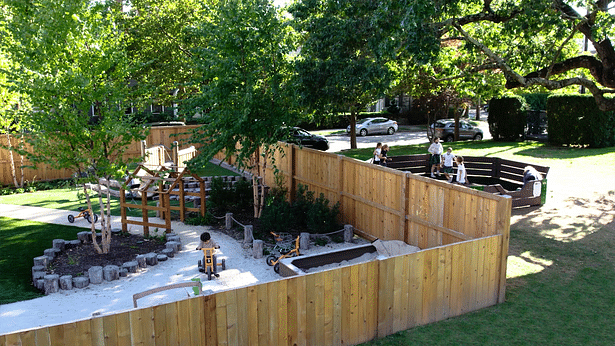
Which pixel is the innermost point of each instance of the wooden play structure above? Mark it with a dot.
(489, 174)
(162, 180)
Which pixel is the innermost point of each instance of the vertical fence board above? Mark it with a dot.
(231, 317)
(272, 300)
(301, 310)
(243, 328)
(320, 309)
(84, 333)
(263, 315)
(310, 309)
(160, 325)
(171, 321)
(385, 297)
(400, 292)
(252, 315)
(221, 318)
(122, 323)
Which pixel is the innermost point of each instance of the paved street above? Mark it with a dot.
(407, 135)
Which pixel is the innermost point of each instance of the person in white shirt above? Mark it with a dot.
(461, 171)
(447, 168)
(435, 149)
(377, 153)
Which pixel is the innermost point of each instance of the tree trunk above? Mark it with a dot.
(93, 225)
(11, 159)
(478, 106)
(353, 129)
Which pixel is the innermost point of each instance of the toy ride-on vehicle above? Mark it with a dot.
(84, 213)
(209, 263)
(284, 247)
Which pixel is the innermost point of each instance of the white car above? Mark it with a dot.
(370, 126)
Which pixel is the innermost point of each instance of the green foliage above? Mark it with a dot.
(507, 118)
(242, 74)
(576, 120)
(304, 213)
(226, 197)
(198, 220)
(536, 101)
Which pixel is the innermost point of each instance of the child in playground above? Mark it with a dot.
(435, 149)
(207, 242)
(461, 171)
(447, 168)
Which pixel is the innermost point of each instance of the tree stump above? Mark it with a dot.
(175, 238)
(51, 253)
(39, 284)
(38, 272)
(66, 282)
(150, 259)
(141, 261)
(111, 272)
(51, 283)
(41, 261)
(167, 236)
(95, 274)
(304, 241)
(257, 248)
(81, 282)
(168, 252)
(162, 258)
(131, 266)
(173, 245)
(348, 233)
(59, 244)
(123, 272)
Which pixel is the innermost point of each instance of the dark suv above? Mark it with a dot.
(445, 129)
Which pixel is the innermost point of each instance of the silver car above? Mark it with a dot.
(369, 126)
(445, 129)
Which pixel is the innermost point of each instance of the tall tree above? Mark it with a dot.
(342, 65)
(244, 70)
(530, 42)
(159, 41)
(72, 66)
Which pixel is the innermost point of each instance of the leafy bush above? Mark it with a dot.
(576, 120)
(507, 118)
(536, 101)
(305, 213)
(225, 197)
(198, 220)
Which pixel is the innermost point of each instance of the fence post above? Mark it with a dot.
(175, 153)
(348, 233)
(248, 236)
(229, 221)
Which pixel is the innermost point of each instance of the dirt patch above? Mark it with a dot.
(77, 260)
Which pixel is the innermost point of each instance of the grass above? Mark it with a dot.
(20, 242)
(72, 198)
(532, 152)
(568, 302)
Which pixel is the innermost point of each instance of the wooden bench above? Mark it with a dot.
(490, 174)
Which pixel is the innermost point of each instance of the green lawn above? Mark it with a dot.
(73, 198)
(20, 242)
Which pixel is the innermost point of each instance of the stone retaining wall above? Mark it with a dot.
(53, 283)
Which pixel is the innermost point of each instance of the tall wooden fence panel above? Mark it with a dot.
(343, 306)
(158, 136)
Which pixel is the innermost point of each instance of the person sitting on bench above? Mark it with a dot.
(530, 174)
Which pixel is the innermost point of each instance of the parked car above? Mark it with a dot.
(302, 137)
(369, 126)
(445, 129)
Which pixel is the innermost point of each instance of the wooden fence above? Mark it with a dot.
(158, 136)
(463, 235)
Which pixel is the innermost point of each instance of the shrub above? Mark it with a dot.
(536, 101)
(198, 220)
(305, 213)
(224, 197)
(576, 120)
(507, 118)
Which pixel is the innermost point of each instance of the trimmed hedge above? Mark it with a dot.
(536, 101)
(576, 120)
(507, 118)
